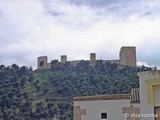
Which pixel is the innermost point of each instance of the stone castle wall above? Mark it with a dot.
(63, 59)
(75, 62)
(93, 59)
(127, 56)
(112, 61)
(42, 63)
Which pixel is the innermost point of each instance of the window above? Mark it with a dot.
(157, 113)
(103, 115)
(41, 63)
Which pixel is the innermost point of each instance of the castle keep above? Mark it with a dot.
(127, 56)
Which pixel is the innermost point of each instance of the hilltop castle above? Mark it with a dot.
(127, 56)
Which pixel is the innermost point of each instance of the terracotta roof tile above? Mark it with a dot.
(102, 97)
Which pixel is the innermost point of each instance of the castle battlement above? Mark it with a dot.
(127, 56)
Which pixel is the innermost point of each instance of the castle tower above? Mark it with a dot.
(42, 63)
(128, 56)
(63, 59)
(92, 59)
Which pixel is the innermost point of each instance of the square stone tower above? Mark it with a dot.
(42, 63)
(128, 56)
(63, 59)
(92, 59)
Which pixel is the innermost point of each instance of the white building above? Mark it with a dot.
(143, 104)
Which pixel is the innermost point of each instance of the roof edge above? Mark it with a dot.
(102, 97)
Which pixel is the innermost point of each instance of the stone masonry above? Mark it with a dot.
(42, 63)
(63, 59)
(127, 57)
(78, 112)
(131, 112)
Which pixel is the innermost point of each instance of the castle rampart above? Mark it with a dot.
(112, 61)
(127, 56)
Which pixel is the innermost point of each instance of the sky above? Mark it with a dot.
(76, 28)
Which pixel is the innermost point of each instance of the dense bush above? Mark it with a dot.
(27, 94)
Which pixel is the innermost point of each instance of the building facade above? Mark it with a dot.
(141, 104)
(150, 93)
(100, 107)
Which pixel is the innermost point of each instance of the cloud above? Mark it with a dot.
(54, 27)
(147, 65)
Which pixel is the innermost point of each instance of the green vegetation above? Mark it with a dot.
(27, 94)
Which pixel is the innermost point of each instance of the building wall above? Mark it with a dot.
(93, 109)
(132, 112)
(42, 63)
(75, 62)
(92, 59)
(41, 59)
(111, 61)
(49, 65)
(128, 56)
(63, 59)
(147, 106)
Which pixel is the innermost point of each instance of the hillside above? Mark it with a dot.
(27, 94)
